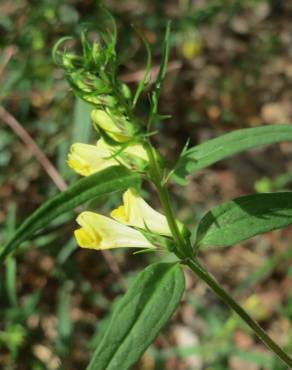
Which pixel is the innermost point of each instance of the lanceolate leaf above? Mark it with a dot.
(214, 150)
(89, 188)
(243, 218)
(139, 316)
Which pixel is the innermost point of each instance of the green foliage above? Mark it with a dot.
(113, 179)
(139, 316)
(214, 150)
(93, 75)
(244, 217)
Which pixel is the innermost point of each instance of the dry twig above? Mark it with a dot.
(7, 55)
(32, 146)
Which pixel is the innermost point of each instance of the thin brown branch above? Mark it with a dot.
(7, 55)
(32, 146)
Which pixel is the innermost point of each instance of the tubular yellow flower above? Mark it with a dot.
(115, 126)
(87, 159)
(100, 232)
(136, 212)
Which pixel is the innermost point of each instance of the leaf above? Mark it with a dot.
(139, 317)
(161, 74)
(164, 59)
(146, 78)
(112, 179)
(215, 150)
(244, 217)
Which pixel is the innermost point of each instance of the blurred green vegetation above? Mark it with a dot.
(230, 65)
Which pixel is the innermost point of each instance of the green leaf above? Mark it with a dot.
(164, 59)
(139, 317)
(146, 78)
(243, 218)
(112, 179)
(161, 74)
(214, 150)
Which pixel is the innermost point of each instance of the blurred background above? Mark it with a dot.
(230, 68)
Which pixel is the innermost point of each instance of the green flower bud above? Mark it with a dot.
(115, 125)
(126, 91)
(97, 54)
(70, 61)
(99, 100)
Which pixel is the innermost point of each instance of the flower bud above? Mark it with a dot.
(116, 126)
(101, 100)
(126, 91)
(70, 60)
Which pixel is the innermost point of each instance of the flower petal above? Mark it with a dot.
(100, 232)
(87, 159)
(136, 212)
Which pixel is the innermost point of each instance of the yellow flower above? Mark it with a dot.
(191, 48)
(100, 232)
(114, 126)
(87, 159)
(136, 212)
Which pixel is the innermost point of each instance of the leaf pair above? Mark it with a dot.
(244, 217)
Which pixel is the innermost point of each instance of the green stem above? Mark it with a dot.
(220, 292)
(157, 179)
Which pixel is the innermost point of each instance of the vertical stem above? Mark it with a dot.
(220, 292)
(157, 179)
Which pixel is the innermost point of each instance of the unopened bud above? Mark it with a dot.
(126, 91)
(117, 126)
(102, 99)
